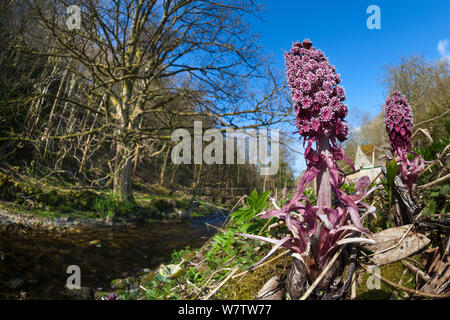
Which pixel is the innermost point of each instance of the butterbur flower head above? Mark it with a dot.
(314, 87)
(111, 296)
(399, 122)
(341, 131)
(305, 86)
(340, 93)
(306, 102)
(362, 184)
(322, 98)
(307, 43)
(326, 114)
(398, 119)
(328, 86)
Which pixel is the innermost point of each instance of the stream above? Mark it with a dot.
(33, 263)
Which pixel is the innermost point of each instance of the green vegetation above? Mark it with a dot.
(50, 201)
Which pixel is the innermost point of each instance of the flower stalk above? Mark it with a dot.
(324, 177)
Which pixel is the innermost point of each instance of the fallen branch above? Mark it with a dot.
(375, 179)
(232, 210)
(214, 227)
(394, 293)
(422, 275)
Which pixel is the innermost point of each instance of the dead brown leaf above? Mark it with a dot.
(395, 244)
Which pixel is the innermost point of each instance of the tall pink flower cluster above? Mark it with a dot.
(317, 230)
(315, 92)
(398, 119)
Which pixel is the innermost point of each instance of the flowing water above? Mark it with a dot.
(33, 263)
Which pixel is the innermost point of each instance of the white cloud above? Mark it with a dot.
(442, 48)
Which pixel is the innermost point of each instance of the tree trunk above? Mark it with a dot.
(197, 180)
(86, 146)
(163, 169)
(123, 184)
(172, 177)
(136, 159)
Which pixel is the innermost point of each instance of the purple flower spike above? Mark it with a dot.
(398, 118)
(399, 122)
(317, 89)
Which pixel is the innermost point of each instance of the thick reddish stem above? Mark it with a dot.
(324, 177)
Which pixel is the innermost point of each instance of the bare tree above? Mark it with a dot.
(135, 58)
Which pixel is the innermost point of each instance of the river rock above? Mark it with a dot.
(15, 283)
(94, 242)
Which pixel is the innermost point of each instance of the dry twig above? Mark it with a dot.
(401, 240)
(221, 284)
(262, 264)
(416, 270)
(437, 181)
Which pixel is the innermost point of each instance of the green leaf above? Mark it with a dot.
(435, 194)
(261, 202)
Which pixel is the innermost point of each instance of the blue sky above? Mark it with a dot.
(339, 29)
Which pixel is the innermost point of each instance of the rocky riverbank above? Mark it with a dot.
(9, 220)
(14, 218)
